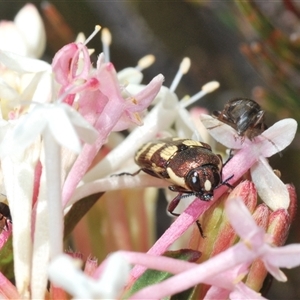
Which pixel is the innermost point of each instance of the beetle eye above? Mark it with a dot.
(204, 179)
(193, 181)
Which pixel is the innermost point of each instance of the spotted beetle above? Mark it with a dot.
(190, 166)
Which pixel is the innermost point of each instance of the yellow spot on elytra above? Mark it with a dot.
(168, 152)
(148, 150)
(156, 168)
(176, 179)
(192, 143)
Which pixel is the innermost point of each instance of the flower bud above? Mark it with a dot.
(90, 266)
(257, 271)
(219, 234)
(277, 225)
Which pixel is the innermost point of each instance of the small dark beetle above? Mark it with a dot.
(190, 166)
(244, 115)
(5, 215)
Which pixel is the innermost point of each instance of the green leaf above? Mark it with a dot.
(7, 260)
(150, 277)
(185, 295)
(78, 210)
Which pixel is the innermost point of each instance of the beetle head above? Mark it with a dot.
(203, 180)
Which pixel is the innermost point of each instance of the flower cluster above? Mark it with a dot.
(55, 120)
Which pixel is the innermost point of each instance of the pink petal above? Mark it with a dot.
(138, 104)
(216, 293)
(241, 162)
(219, 263)
(182, 223)
(91, 105)
(7, 289)
(241, 219)
(61, 63)
(227, 279)
(242, 291)
(159, 118)
(72, 78)
(109, 85)
(105, 123)
(284, 257)
(275, 271)
(144, 98)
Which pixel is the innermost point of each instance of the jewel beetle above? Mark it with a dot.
(190, 166)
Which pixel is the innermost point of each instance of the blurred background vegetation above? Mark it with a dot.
(251, 47)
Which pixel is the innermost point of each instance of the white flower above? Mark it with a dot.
(252, 155)
(26, 35)
(79, 285)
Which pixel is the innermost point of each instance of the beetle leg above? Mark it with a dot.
(229, 157)
(225, 182)
(200, 229)
(173, 204)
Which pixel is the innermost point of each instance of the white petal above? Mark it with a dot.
(11, 38)
(277, 137)
(28, 129)
(130, 75)
(62, 129)
(23, 64)
(114, 277)
(6, 91)
(222, 132)
(269, 187)
(74, 281)
(29, 22)
(64, 272)
(84, 129)
(41, 245)
(68, 127)
(185, 126)
(40, 88)
(37, 88)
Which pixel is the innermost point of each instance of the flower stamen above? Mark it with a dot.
(145, 62)
(97, 29)
(106, 41)
(206, 89)
(183, 69)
